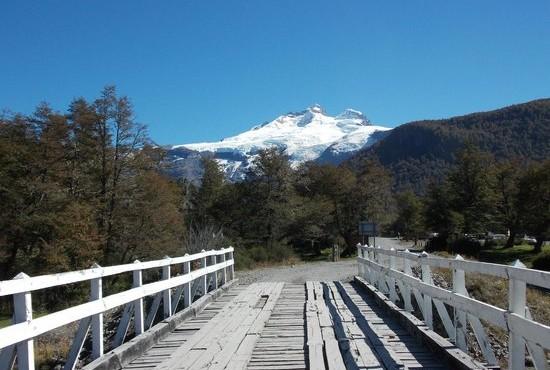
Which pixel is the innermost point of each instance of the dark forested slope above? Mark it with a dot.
(419, 152)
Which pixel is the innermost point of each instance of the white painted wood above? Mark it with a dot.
(22, 314)
(427, 278)
(530, 276)
(459, 287)
(27, 330)
(406, 291)
(232, 267)
(187, 298)
(215, 274)
(138, 303)
(204, 285)
(535, 350)
(167, 294)
(468, 309)
(516, 304)
(482, 340)
(391, 280)
(10, 287)
(223, 271)
(123, 325)
(495, 315)
(96, 293)
(150, 318)
(7, 358)
(78, 343)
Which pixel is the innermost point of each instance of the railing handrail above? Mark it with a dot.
(15, 286)
(26, 330)
(395, 280)
(17, 340)
(530, 276)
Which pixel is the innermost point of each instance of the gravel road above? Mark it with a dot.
(300, 273)
(316, 271)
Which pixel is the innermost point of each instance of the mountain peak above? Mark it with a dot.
(316, 108)
(353, 114)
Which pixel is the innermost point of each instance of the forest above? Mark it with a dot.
(418, 152)
(90, 186)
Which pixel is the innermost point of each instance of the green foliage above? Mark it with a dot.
(534, 202)
(470, 186)
(410, 220)
(542, 261)
(82, 187)
(419, 153)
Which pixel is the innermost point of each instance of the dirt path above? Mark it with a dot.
(318, 271)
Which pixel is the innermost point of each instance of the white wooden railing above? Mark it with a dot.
(16, 341)
(391, 272)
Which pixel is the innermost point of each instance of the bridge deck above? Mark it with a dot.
(289, 326)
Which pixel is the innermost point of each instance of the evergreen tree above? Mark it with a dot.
(410, 221)
(534, 202)
(470, 186)
(270, 190)
(507, 178)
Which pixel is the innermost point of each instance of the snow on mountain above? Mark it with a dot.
(306, 136)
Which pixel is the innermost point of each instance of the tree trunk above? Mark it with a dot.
(538, 244)
(510, 241)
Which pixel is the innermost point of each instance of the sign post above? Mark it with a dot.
(367, 228)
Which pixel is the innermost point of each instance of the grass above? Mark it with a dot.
(5, 320)
(524, 252)
(494, 291)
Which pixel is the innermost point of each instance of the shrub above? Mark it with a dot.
(469, 247)
(259, 254)
(542, 261)
(243, 261)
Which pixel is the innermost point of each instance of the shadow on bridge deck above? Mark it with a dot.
(317, 325)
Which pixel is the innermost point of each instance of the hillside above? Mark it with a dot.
(420, 151)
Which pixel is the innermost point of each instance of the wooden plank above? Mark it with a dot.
(215, 327)
(355, 352)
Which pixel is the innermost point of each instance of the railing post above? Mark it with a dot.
(516, 304)
(204, 278)
(167, 294)
(407, 291)
(96, 292)
(427, 278)
(393, 292)
(224, 270)
(187, 299)
(233, 265)
(459, 287)
(381, 276)
(22, 307)
(138, 303)
(359, 264)
(214, 261)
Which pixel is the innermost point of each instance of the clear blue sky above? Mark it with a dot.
(201, 70)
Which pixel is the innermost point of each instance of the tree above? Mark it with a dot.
(410, 221)
(534, 202)
(270, 177)
(507, 179)
(352, 197)
(440, 216)
(205, 213)
(470, 186)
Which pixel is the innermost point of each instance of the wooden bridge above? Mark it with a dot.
(193, 314)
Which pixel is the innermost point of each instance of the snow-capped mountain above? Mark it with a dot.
(306, 136)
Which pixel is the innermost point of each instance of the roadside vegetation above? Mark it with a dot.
(89, 186)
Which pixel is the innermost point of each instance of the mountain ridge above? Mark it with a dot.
(419, 152)
(306, 136)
